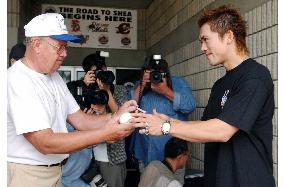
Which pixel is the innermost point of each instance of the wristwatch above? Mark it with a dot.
(166, 126)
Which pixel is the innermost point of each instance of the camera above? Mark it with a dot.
(156, 76)
(96, 97)
(158, 67)
(106, 77)
(98, 181)
(92, 175)
(86, 97)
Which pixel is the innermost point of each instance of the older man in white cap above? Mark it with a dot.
(39, 104)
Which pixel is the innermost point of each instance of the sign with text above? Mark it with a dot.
(99, 27)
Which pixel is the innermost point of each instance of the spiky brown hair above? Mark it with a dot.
(223, 19)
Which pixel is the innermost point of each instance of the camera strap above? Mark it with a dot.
(93, 155)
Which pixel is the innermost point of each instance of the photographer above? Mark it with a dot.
(97, 77)
(99, 95)
(167, 94)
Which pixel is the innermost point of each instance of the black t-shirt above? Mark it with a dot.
(242, 98)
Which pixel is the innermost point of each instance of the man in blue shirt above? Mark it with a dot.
(169, 95)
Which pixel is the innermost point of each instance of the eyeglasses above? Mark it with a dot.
(60, 48)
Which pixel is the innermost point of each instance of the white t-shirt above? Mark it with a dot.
(35, 102)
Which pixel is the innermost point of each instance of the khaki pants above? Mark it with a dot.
(21, 175)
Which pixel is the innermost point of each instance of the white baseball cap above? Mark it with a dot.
(51, 25)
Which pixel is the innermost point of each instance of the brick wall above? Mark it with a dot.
(165, 18)
(12, 23)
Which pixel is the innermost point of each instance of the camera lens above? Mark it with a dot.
(155, 77)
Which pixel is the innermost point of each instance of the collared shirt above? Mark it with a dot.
(148, 148)
(156, 174)
(116, 151)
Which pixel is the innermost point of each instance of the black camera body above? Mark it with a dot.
(85, 97)
(156, 76)
(96, 97)
(158, 68)
(92, 175)
(106, 77)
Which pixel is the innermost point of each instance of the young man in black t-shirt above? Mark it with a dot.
(237, 122)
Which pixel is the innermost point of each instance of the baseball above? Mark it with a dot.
(125, 117)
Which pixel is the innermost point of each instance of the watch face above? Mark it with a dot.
(166, 127)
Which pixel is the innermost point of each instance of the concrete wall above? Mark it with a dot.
(172, 30)
(12, 23)
(18, 14)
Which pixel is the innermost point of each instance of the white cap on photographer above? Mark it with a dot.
(51, 25)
